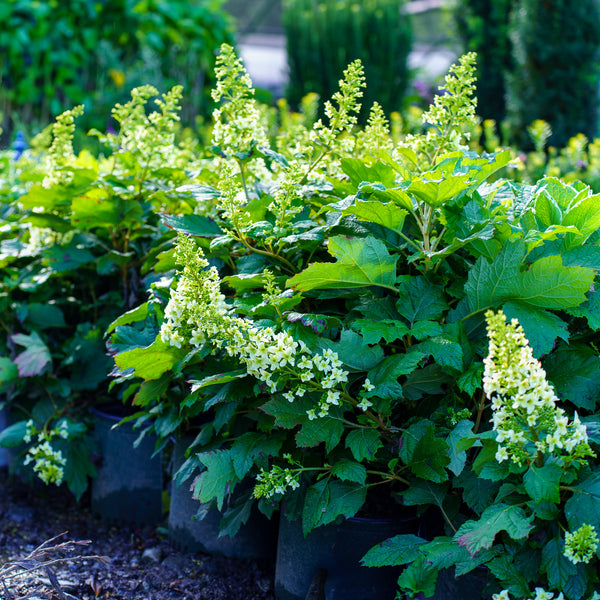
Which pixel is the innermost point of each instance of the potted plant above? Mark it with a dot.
(74, 245)
(340, 312)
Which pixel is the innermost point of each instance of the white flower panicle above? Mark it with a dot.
(197, 315)
(540, 594)
(47, 462)
(276, 481)
(581, 545)
(526, 417)
(237, 121)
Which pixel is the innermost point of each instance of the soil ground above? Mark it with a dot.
(140, 564)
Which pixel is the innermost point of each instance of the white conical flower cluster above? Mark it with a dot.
(526, 417)
(197, 315)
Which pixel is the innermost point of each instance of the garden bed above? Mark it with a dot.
(140, 563)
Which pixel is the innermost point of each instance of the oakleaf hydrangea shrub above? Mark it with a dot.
(320, 327)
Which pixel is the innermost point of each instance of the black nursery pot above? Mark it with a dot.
(256, 539)
(129, 485)
(332, 554)
(4, 459)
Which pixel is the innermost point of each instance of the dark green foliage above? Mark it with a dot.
(54, 55)
(555, 47)
(323, 36)
(483, 26)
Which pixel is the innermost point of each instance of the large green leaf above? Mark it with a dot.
(398, 550)
(196, 225)
(584, 505)
(545, 284)
(425, 454)
(358, 171)
(555, 564)
(150, 362)
(458, 457)
(349, 470)
(251, 447)
(435, 193)
(360, 263)
(475, 535)
(66, 258)
(363, 443)
(541, 327)
(373, 332)
(326, 429)
(327, 499)
(420, 300)
(574, 371)
(216, 481)
(542, 483)
(385, 214)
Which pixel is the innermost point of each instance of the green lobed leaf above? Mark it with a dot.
(419, 576)
(420, 300)
(470, 381)
(288, 414)
(358, 171)
(422, 493)
(424, 453)
(363, 443)
(328, 499)
(216, 481)
(541, 327)
(458, 458)
(545, 284)
(150, 362)
(44, 316)
(509, 575)
(326, 429)
(398, 550)
(542, 483)
(353, 352)
(475, 535)
(385, 375)
(589, 310)
(557, 567)
(66, 258)
(584, 505)
(360, 263)
(36, 356)
(251, 447)
(386, 214)
(349, 470)
(445, 352)
(373, 332)
(574, 371)
(196, 225)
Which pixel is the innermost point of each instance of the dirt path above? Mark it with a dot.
(141, 563)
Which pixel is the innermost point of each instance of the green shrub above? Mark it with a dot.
(57, 54)
(323, 36)
(483, 26)
(555, 49)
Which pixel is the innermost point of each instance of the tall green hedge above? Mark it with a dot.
(324, 36)
(55, 54)
(483, 26)
(556, 47)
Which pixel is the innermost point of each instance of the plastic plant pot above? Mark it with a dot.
(332, 554)
(4, 458)
(256, 539)
(128, 488)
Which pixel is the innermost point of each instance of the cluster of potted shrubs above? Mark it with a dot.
(314, 314)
